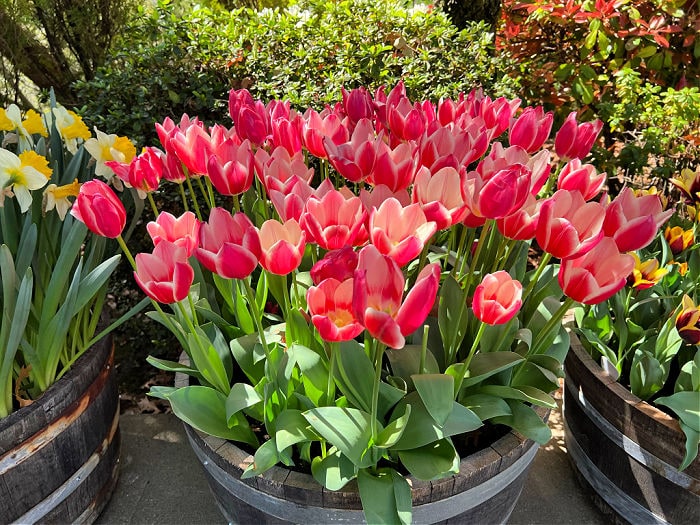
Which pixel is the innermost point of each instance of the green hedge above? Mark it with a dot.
(169, 62)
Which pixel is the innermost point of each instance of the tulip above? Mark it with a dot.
(182, 231)
(500, 195)
(678, 239)
(291, 205)
(453, 147)
(357, 104)
(498, 298)
(164, 275)
(633, 221)
(405, 120)
(440, 196)
(100, 209)
(380, 193)
(568, 226)
(399, 232)
(521, 225)
(317, 127)
(394, 168)
(584, 178)
(250, 117)
(688, 182)
(333, 221)
(282, 246)
(337, 264)
(145, 172)
(645, 274)
(354, 160)
(573, 140)
(531, 129)
(231, 167)
(378, 292)
(287, 132)
(330, 305)
(192, 147)
(228, 245)
(597, 275)
(496, 113)
(688, 321)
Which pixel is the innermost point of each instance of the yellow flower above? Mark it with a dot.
(71, 127)
(21, 176)
(104, 148)
(682, 267)
(688, 321)
(12, 121)
(5, 123)
(646, 274)
(689, 184)
(57, 197)
(34, 124)
(679, 239)
(36, 161)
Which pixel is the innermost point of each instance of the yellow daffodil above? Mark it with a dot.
(22, 174)
(5, 123)
(105, 147)
(646, 274)
(679, 239)
(34, 124)
(71, 127)
(688, 321)
(57, 197)
(12, 121)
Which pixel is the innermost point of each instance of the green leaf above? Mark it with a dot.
(452, 315)
(485, 365)
(348, 429)
(647, 376)
(686, 405)
(292, 428)
(241, 396)
(172, 366)
(161, 392)
(486, 406)
(243, 350)
(525, 393)
(388, 437)
(266, 457)
(406, 361)
(334, 471)
(692, 441)
(434, 461)
(314, 371)
(437, 392)
(386, 497)
(204, 408)
(354, 372)
(526, 421)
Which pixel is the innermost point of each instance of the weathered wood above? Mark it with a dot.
(625, 449)
(59, 455)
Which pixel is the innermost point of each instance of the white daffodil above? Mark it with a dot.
(11, 120)
(57, 197)
(71, 127)
(22, 174)
(104, 148)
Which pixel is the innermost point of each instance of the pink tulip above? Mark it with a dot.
(333, 221)
(330, 306)
(337, 264)
(500, 195)
(357, 104)
(317, 127)
(282, 246)
(500, 158)
(228, 245)
(568, 226)
(145, 171)
(633, 221)
(164, 275)
(573, 140)
(399, 232)
(406, 121)
(498, 298)
(100, 209)
(597, 275)
(521, 225)
(182, 231)
(380, 193)
(287, 132)
(231, 167)
(168, 128)
(192, 147)
(584, 178)
(394, 168)
(531, 129)
(497, 113)
(250, 117)
(440, 196)
(453, 147)
(291, 205)
(280, 170)
(354, 160)
(378, 292)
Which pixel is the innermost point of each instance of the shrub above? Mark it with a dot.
(169, 63)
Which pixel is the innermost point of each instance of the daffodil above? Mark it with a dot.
(22, 174)
(33, 124)
(646, 274)
(71, 127)
(104, 148)
(11, 120)
(57, 197)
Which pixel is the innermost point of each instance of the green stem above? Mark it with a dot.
(256, 314)
(536, 277)
(554, 321)
(183, 197)
(332, 350)
(205, 195)
(153, 204)
(193, 195)
(423, 349)
(468, 360)
(375, 390)
(126, 251)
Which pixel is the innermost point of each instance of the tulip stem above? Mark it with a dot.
(193, 195)
(257, 318)
(554, 321)
(153, 204)
(126, 251)
(183, 197)
(544, 261)
(423, 349)
(379, 354)
(468, 360)
(332, 350)
(205, 196)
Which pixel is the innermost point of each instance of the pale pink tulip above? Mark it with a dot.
(164, 275)
(498, 298)
(318, 127)
(282, 246)
(581, 177)
(394, 168)
(182, 231)
(440, 196)
(280, 170)
(330, 305)
(192, 147)
(332, 221)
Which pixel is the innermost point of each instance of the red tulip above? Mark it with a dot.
(337, 264)
(633, 221)
(164, 275)
(597, 275)
(228, 245)
(378, 292)
(573, 140)
(568, 226)
(182, 231)
(357, 104)
(282, 246)
(330, 306)
(145, 171)
(531, 129)
(584, 178)
(399, 232)
(100, 209)
(498, 298)
(679, 239)
(332, 221)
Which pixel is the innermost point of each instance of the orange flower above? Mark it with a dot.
(645, 274)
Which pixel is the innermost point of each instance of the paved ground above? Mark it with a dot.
(161, 482)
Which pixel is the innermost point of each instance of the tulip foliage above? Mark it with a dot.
(347, 265)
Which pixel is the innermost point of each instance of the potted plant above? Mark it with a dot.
(353, 294)
(59, 438)
(632, 396)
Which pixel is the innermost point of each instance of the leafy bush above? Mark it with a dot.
(634, 64)
(169, 62)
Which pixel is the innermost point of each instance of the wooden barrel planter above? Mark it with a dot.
(625, 451)
(59, 455)
(485, 491)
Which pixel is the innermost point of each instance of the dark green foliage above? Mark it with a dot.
(168, 64)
